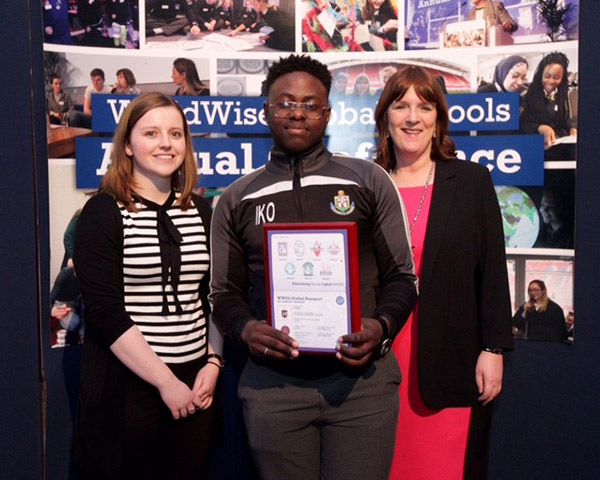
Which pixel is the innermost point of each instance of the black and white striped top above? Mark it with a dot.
(118, 264)
(174, 338)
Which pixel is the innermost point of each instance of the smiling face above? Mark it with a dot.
(296, 133)
(552, 77)
(551, 210)
(411, 123)
(157, 145)
(377, 4)
(516, 78)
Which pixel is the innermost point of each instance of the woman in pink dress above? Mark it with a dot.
(450, 350)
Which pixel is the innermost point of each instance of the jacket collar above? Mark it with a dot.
(280, 161)
(439, 215)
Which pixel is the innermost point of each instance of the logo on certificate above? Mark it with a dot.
(333, 249)
(284, 314)
(299, 248)
(308, 268)
(342, 205)
(282, 249)
(290, 268)
(316, 248)
(339, 300)
(326, 270)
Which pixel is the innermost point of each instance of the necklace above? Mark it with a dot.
(417, 213)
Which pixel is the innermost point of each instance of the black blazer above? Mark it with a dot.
(464, 298)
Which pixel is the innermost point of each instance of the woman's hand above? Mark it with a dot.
(178, 397)
(60, 311)
(390, 25)
(488, 376)
(267, 342)
(549, 135)
(204, 386)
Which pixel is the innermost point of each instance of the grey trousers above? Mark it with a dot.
(341, 427)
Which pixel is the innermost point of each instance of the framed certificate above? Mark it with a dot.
(312, 281)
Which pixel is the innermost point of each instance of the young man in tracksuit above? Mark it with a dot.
(310, 417)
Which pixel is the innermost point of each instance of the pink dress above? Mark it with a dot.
(430, 444)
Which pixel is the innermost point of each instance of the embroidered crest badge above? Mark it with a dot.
(342, 205)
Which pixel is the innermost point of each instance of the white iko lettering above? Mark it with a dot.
(264, 213)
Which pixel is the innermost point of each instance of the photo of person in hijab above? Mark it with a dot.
(510, 75)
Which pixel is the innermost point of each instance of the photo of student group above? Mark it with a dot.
(92, 23)
(232, 25)
(74, 109)
(348, 26)
(547, 84)
(164, 281)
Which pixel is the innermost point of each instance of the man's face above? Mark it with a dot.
(386, 74)
(98, 83)
(261, 5)
(296, 133)
(56, 85)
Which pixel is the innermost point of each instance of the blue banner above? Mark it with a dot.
(512, 159)
(244, 115)
(220, 160)
(484, 112)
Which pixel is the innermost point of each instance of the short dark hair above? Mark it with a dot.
(97, 72)
(53, 76)
(297, 63)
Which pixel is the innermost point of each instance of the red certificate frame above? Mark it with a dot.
(313, 282)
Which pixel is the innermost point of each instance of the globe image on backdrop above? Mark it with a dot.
(520, 217)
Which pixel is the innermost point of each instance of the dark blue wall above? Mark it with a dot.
(23, 180)
(547, 420)
(547, 423)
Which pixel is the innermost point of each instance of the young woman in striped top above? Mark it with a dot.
(151, 356)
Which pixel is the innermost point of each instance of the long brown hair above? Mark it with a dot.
(193, 85)
(543, 305)
(118, 180)
(427, 88)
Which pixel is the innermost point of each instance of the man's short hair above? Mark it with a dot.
(53, 76)
(297, 63)
(97, 72)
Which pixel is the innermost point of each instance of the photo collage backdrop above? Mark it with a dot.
(493, 67)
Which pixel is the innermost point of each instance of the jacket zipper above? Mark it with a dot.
(296, 189)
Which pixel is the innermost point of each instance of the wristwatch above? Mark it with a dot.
(217, 357)
(386, 342)
(497, 351)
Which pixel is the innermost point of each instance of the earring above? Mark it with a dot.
(434, 134)
(387, 134)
